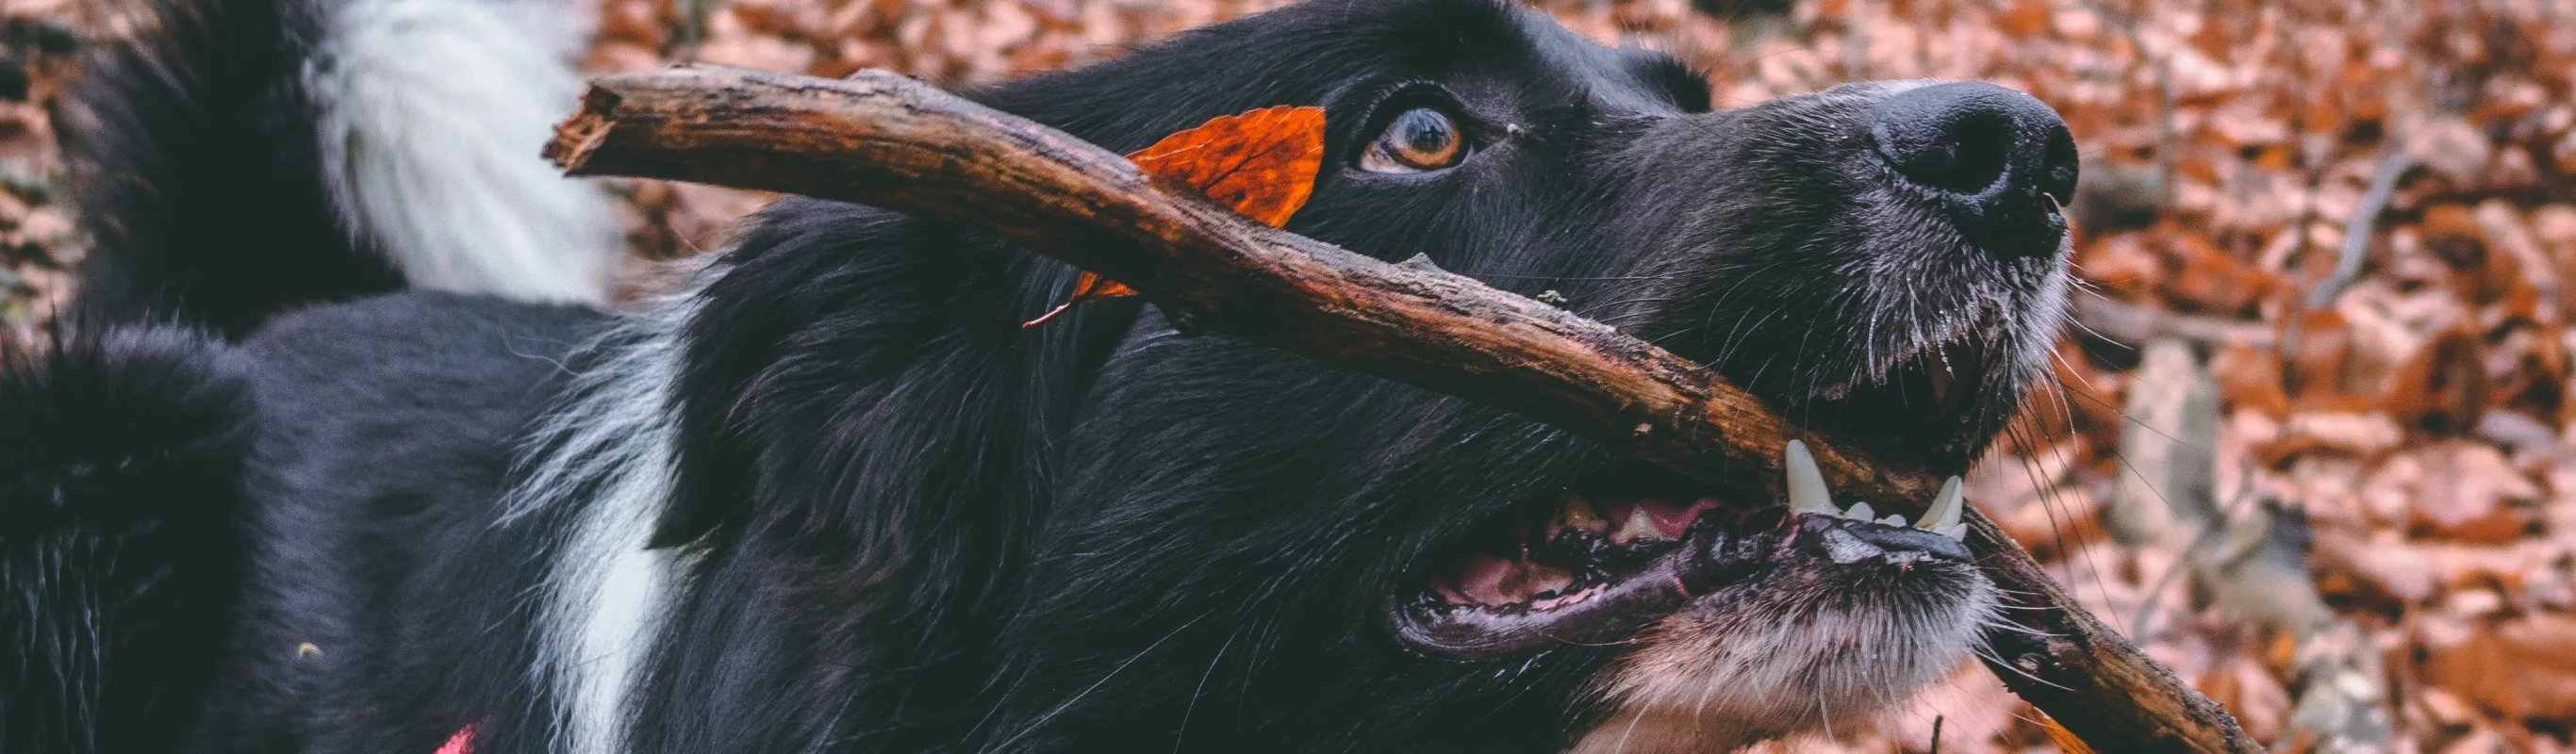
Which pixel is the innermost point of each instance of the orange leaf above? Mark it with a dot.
(1261, 163)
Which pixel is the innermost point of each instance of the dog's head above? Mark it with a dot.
(1258, 551)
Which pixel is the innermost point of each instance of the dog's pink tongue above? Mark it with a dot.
(1673, 519)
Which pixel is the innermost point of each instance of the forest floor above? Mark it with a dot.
(2340, 501)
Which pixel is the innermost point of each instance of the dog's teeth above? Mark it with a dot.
(1946, 507)
(1893, 519)
(1861, 511)
(1807, 493)
(1639, 526)
(1954, 531)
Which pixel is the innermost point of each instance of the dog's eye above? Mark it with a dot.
(1421, 140)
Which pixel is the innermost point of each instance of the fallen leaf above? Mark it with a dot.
(2365, 434)
(2516, 668)
(2382, 567)
(2248, 692)
(2446, 708)
(2200, 276)
(2326, 367)
(2443, 391)
(2456, 490)
(2479, 741)
(2250, 377)
(1260, 163)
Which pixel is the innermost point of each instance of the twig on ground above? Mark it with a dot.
(2356, 230)
(2356, 247)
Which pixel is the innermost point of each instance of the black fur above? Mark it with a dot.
(120, 546)
(900, 522)
(192, 157)
(384, 434)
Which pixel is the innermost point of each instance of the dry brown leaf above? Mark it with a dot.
(2459, 491)
(2249, 692)
(2518, 668)
(2381, 566)
(2443, 391)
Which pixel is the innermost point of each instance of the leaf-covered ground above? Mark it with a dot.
(2343, 503)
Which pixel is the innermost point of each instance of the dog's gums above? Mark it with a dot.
(1588, 574)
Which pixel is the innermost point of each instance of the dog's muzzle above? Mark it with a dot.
(1997, 161)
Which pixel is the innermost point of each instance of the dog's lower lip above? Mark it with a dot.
(1711, 555)
(1571, 585)
(1720, 551)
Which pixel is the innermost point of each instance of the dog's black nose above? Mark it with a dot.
(1990, 151)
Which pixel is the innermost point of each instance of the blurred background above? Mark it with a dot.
(2310, 435)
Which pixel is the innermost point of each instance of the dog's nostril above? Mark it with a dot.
(1980, 142)
(1966, 155)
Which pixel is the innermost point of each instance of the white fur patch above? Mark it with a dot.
(433, 113)
(1705, 681)
(607, 593)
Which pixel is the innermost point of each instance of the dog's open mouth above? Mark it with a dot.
(1593, 571)
(1947, 379)
(1933, 401)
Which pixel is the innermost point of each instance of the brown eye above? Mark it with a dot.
(1420, 140)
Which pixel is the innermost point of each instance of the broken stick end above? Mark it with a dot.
(579, 136)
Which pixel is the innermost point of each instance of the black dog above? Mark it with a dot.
(835, 499)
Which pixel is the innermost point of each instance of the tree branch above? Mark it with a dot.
(886, 140)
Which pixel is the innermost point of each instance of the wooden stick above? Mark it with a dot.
(883, 139)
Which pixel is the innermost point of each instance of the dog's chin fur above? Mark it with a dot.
(836, 498)
(1731, 670)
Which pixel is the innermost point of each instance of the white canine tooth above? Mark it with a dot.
(1946, 507)
(1807, 493)
(1861, 511)
(1954, 531)
(1893, 519)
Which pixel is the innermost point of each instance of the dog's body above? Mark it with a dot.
(836, 499)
